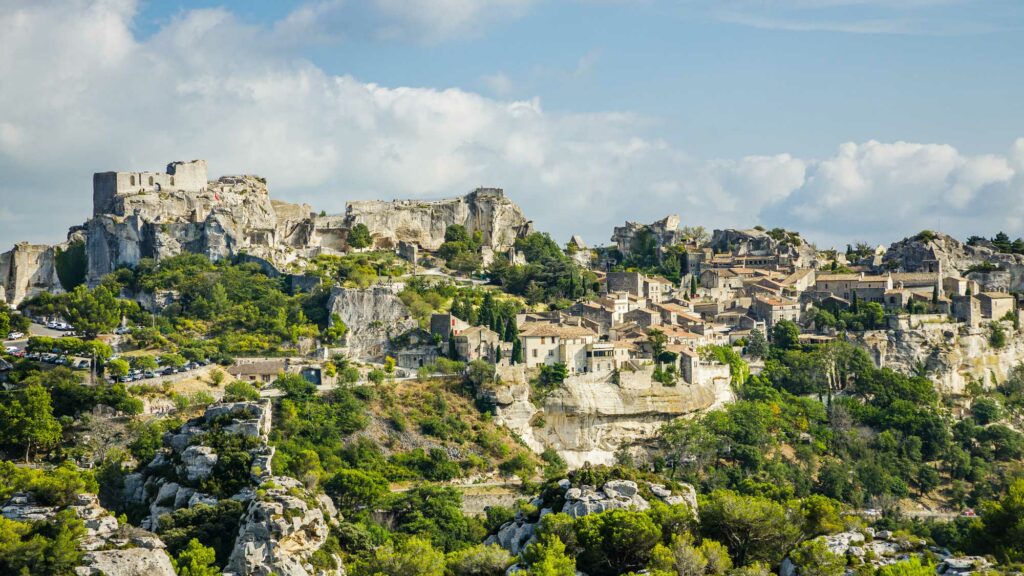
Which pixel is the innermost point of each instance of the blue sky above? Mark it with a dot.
(846, 119)
(718, 80)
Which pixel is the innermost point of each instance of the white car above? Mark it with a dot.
(11, 349)
(15, 335)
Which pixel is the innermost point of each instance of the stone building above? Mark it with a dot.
(553, 343)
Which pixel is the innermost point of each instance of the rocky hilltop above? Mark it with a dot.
(937, 252)
(485, 210)
(156, 215)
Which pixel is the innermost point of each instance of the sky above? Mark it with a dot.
(847, 120)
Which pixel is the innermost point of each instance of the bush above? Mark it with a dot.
(240, 390)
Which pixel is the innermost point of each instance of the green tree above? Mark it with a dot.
(658, 340)
(40, 429)
(1000, 531)
(196, 560)
(354, 490)
(479, 560)
(413, 557)
(548, 558)
(786, 335)
(754, 528)
(757, 344)
(616, 541)
(118, 368)
(813, 558)
(91, 311)
(335, 332)
(359, 236)
(239, 390)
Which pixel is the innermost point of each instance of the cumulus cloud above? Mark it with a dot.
(82, 93)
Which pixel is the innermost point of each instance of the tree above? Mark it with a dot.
(757, 344)
(39, 429)
(658, 340)
(615, 541)
(1001, 529)
(813, 558)
(118, 368)
(173, 360)
(754, 528)
(294, 386)
(144, 362)
(91, 311)
(335, 332)
(548, 558)
(240, 390)
(693, 286)
(453, 351)
(354, 490)
(359, 236)
(786, 335)
(479, 560)
(196, 560)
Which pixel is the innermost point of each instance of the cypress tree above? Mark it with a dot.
(453, 353)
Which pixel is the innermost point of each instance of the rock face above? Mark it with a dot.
(591, 416)
(884, 548)
(27, 270)
(519, 533)
(485, 210)
(280, 531)
(373, 316)
(665, 233)
(111, 549)
(225, 217)
(954, 354)
(754, 242)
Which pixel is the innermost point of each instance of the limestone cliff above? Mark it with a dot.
(591, 416)
(27, 270)
(953, 354)
(373, 316)
(232, 215)
(485, 210)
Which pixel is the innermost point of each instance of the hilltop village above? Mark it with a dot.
(300, 381)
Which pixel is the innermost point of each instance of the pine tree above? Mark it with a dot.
(486, 317)
(453, 352)
(511, 330)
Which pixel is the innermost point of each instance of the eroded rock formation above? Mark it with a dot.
(578, 501)
(486, 210)
(373, 315)
(26, 270)
(591, 416)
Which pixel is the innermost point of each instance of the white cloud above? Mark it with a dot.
(83, 94)
(498, 84)
(425, 21)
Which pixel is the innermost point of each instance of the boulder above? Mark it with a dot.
(128, 562)
(198, 462)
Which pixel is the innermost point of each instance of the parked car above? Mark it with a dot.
(15, 335)
(11, 349)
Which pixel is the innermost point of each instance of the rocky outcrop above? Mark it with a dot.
(877, 549)
(373, 315)
(665, 233)
(27, 270)
(953, 354)
(163, 491)
(754, 242)
(578, 501)
(936, 252)
(485, 210)
(281, 530)
(110, 549)
(591, 416)
(231, 215)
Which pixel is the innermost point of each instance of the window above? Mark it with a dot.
(133, 181)
(534, 352)
(150, 180)
(172, 180)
